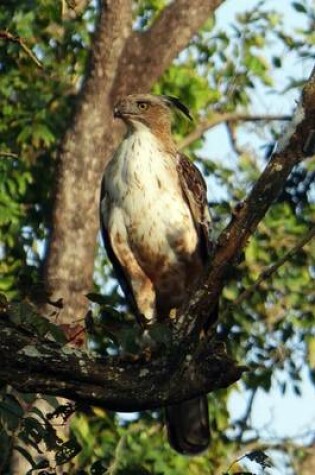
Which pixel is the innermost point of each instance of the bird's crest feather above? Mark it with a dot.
(172, 101)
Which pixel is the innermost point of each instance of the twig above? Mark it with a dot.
(265, 274)
(115, 464)
(219, 118)
(284, 445)
(231, 130)
(6, 35)
(9, 154)
(243, 421)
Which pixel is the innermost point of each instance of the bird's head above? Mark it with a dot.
(153, 112)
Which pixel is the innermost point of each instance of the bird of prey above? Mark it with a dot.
(155, 225)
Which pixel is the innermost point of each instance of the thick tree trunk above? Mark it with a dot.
(69, 263)
(122, 62)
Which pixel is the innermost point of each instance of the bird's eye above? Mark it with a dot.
(142, 106)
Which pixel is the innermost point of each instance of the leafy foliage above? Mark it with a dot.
(35, 108)
(273, 330)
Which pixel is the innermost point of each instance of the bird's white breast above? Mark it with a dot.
(144, 200)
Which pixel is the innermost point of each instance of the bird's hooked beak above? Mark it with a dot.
(122, 109)
(117, 112)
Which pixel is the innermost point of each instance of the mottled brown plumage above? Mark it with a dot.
(155, 225)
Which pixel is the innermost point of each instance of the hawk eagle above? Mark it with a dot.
(155, 226)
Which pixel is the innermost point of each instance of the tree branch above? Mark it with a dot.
(219, 118)
(6, 35)
(31, 364)
(9, 154)
(252, 445)
(254, 449)
(242, 423)
(148, 54)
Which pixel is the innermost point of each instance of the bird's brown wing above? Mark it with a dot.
(195, 193)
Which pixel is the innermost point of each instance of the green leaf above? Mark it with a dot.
(255, 64)
(11, 412)
(299, 7)
(98, 468)
(57, 333)
(260, 457)
(33, 431)
(42, 464)
(161, 334)
(24, 135)
(129, 339)
(98, 298)
(42, 134)
(5, 444)
(276, 61)
(67, 451)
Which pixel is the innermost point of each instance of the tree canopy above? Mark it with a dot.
(62, 67)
